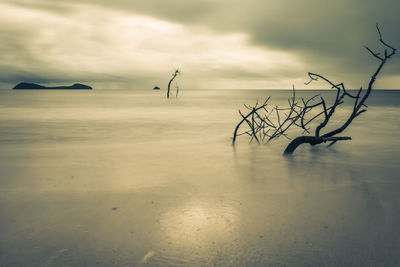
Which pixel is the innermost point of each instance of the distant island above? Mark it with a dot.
(156, 88)
(76, 86)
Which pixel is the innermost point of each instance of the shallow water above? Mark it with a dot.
(129, 178)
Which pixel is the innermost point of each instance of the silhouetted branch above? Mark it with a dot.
(312, 140)
(245, 118)
(170, 81)
(266, 124)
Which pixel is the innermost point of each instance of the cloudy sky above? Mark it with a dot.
(137, 44)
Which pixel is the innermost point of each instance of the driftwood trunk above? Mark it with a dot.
(267, 123)
(170, 81)
(312, 140)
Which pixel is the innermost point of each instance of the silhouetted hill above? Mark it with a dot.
(76, 86)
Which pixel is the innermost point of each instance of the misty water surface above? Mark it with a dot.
(130, 178)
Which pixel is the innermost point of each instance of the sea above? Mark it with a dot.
(131, 178)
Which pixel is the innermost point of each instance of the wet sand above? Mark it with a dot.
(131, 179)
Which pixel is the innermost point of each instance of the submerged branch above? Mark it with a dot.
(265, 124)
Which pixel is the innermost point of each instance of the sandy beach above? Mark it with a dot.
(129, 178)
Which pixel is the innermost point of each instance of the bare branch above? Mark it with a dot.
(265, 124)
(373, 53)
(176, 73)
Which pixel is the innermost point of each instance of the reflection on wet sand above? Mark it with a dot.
(198, 223)
(196, 229)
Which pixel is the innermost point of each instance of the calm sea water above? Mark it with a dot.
(130, 178)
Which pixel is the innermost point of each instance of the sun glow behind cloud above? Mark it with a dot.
(91, 43)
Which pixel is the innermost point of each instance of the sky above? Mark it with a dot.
(216, 44)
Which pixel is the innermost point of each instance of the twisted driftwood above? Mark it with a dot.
(170, 81)
(265, 124)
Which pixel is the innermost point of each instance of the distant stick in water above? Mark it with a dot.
(263, 123)
(172, 79)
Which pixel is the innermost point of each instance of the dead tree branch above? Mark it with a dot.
(170, 81)
(267, 123)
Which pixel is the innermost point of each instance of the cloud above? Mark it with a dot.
(257, 44)
(127, 47)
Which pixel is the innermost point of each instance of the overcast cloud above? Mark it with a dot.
(217, 44)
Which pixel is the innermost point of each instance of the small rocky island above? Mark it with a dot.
(34, 86)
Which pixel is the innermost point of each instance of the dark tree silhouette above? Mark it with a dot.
(264, 123)
(170, 81)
